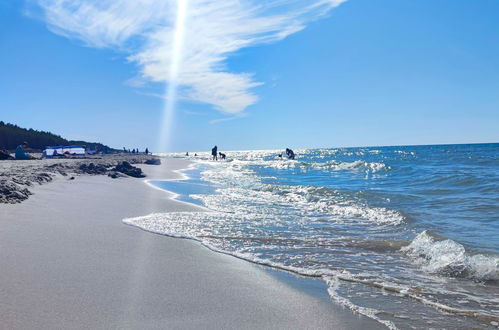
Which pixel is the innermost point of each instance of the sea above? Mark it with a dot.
(406, 235)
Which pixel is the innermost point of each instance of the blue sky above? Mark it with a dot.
(353, 73)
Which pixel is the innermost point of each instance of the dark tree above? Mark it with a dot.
(12, 135)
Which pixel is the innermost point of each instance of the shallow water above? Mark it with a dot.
(406, 235)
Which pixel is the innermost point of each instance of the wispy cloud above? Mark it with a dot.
(232, 117)
(215, 29)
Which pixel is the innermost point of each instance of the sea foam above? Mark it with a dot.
(448, 257)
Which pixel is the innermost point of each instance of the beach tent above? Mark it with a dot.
(60, 150)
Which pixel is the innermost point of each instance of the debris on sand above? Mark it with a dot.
(18, 177)
(93, 169)
(128, 169)
(12, 193)
(153, 161)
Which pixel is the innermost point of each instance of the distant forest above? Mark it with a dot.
(12, 135)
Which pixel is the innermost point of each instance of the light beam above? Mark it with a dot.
(172, 83)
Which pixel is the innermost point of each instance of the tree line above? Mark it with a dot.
(12, 135)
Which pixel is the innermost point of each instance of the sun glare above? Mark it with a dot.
(172, 83)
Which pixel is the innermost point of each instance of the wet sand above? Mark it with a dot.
(68, 262)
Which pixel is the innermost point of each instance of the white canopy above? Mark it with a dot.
(60, 150)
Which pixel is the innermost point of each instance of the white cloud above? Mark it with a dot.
(215, 29)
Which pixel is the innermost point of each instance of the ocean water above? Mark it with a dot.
(408, 236)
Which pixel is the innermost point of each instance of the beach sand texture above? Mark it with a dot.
(68, 262)
(17, 178)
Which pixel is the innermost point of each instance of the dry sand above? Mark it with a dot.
(68, 262)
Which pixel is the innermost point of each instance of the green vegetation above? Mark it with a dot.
(12, 135)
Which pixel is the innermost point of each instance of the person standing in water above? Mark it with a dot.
(214, 152)
(290, 153)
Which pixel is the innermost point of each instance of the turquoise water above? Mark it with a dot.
(406, 235)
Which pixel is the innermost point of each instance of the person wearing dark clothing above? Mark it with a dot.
(222, 155)
(214, 152)
(290, 153)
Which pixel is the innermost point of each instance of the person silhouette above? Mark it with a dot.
(214, 152)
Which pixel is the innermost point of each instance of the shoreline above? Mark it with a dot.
(309, 284)
(68, 261)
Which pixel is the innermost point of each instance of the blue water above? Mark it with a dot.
(452, 190)
(406, 235)
(184, 189)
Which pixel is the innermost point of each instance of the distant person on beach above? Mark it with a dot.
(21, 154)
(147, 151)
(222, 155)
(195, 155)
(290, 153)
(214, 152)
(187, 154)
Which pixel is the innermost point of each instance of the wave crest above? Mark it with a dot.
(450, 258)
(356, 166)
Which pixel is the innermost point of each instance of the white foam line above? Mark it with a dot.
(332, 284)
(314, 274)
(181, 172)
(289, 269)
(326, 275)
(173, 195)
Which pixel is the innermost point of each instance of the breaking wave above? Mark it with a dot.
(356, 166)
(244, 190)
(450, 258)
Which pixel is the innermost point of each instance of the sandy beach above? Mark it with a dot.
(68, 262)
